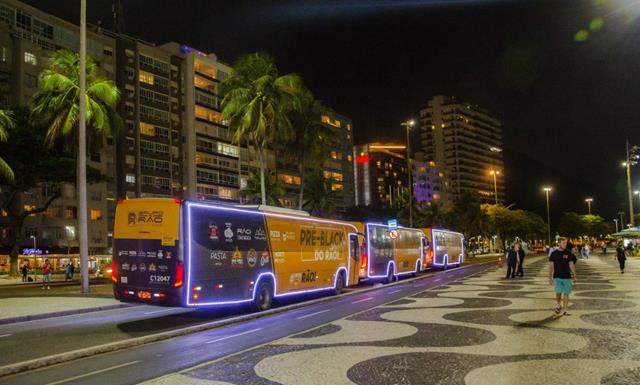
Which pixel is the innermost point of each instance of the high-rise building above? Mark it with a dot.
(427, 182)
(28, 37)
(465, 142)
(381, 173)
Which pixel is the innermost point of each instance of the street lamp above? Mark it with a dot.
(547, 190)
(495, 174)
(408, 124)
(632, 160)
(621, 213)
(589, 201)
(616, 221)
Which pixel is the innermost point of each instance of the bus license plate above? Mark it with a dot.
(144, 295)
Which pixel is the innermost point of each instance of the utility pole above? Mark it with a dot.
(629, 163)
(547, 190)
(82, 153)
(495, 174)
(589, 201)
(408, 124)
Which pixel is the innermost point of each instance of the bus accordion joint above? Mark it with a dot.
(114, 271)
(179, 275)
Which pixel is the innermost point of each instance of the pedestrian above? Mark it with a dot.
(562, 275)
(521, 254)
(67, 272)
(622, 257)
(72, 270)
(46, 275)
(586, 250)
(604, 247)
(25, 270)
(512, 260)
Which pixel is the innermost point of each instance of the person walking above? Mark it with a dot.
(46, 275)
(562, 275)
(604, 247)
(586, 250)
(512, 260)
(621, 256)
(24, 270)
(521, 254)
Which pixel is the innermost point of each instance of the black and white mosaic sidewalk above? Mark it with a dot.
(479, 330)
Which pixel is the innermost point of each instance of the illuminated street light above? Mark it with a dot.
(547, 190)
(495, 174)
(408, 124)
(589, 201)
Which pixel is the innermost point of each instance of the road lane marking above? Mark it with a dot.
(232, 336)
(92, 373)
(4, 335)
(395, 291)
(159, 311)
(312, 314)
(362, 300)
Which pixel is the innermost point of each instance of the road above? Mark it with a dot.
(150, 361)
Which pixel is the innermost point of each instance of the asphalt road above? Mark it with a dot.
(134, 365)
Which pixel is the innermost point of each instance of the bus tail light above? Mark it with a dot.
(114, 271)
(179, 275)
(365, 260)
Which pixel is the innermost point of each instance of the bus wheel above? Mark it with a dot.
(390, 276)
(339, 284)
(264, 297)
(418, 269)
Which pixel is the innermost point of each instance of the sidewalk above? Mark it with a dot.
(28, 302)
(5, 280)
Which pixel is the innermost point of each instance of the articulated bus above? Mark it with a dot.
(193, 254)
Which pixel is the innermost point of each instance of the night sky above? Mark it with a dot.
(567, 103)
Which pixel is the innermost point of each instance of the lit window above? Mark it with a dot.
(30, 58)
(204, 69)
(147, 129)
(290, 179)
(95, 215)
(336, 187)
(349, 158)
(348, 127)
(336, 155)
(130, 178)
(146, 77)
(207, 115)
(204, 84)
(327, 120)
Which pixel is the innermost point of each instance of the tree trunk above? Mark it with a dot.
(301, 201)
(263, 189)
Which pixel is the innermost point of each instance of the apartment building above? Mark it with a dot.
(28, 37)
(465, 141)
(381, 173)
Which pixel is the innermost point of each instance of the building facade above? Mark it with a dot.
(465, 141)
(381, 173)
(28, 37)
(428, 182)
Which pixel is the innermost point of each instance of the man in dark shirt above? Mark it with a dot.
(562, 274)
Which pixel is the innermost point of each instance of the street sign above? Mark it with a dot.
(394, 234)
(392, 224)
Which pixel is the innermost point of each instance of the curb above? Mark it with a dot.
(41, 362)
(34, 317)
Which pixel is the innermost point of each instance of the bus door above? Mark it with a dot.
(354, 259)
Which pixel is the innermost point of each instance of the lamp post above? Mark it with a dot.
(495, 174)
(408, 124)
(616, 221)
(547, 190)
(621, 213)
(632, 160)
(637, 192)
(589, 201)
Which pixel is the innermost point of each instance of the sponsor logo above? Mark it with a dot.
(309, 276)
(134, 267)
(274, 234)
(155, 217)
(217, 257)
(288, 236)
(326, 255)
(243, 234)
(152, 267)
(278, 257)
(236, 259)
(143, 267)
(159, 254)
(167, 254)
(228, 233)
(124, 266)
(141, 253)
(124, 280)
(316, 237)
(295, 278)
(151, 254)
(214, 233)
(264, 259)
(163, 268)
(260, 234)
(159, 278)
(133, 253)
(122, 253)
(252, 258)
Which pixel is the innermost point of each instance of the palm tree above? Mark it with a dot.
(253, 191)
(311, 139)
(6, 123)
(320, 197)
(55, 106)
(257, 102)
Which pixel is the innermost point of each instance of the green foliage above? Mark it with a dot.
(56, 105)
(508, 223)
(257, 102)
(468, 216)
(253, 195)
(574, 225)
(432, 214)
(320, 198)
(6, 123)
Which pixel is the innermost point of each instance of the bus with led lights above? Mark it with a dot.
(445, 248)
(390, 254)
(192, 254)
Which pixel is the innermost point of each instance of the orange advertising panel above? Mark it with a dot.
(308, 253)
(148, 218)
